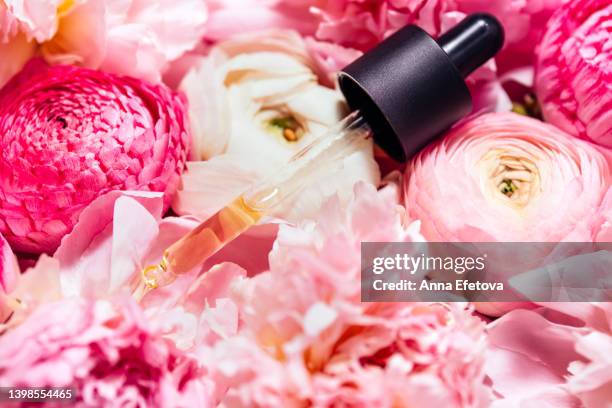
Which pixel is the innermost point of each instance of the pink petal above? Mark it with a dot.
(133, 53)
(85, 253)
(15, 53)
(212, 285)
(528, 355)
(163, 17)
(134, 229)
(82, 38)
(39, 19)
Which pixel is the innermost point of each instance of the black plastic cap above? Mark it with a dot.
(409, 89)
(472, 42)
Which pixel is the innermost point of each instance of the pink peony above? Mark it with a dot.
(574, 74)
(555, 356)
(102, 258)
(505, 177)
(69, 135)
(107, 352)
(134, 37)
(306, 339)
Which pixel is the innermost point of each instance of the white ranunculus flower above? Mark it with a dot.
(254, 102)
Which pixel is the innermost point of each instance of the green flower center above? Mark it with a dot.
(287, 126)
(507, 187)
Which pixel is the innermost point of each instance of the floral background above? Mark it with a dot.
(125, 123)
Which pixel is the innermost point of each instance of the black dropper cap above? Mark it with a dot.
(410, 88)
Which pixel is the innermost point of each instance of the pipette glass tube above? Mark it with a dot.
(318, 159)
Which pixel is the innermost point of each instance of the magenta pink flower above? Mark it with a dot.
(573, 72)
(105, 350)
(68, 135)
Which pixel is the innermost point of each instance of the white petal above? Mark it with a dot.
(207, 186)
(208, 108)
(272, 64)
(319, 104)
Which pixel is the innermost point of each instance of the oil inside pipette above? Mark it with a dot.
(322, 157)
(201, 243)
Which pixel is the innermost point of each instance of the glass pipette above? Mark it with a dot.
(320, 158)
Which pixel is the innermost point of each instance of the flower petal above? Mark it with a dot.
(85, 253)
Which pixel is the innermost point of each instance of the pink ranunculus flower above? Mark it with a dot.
(306, 339)
(135, 37)
(553, 356)
(503, 177)
(506, 177)
(69, 135)
(107, 352)
(573, 71)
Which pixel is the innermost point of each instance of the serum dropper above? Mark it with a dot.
(403, 93)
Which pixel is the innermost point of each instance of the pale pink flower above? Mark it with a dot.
(555, 356)
(107, 352)
(71, 134)
(135, 37)
(573, 71)
(505, 177)
(306, 339)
